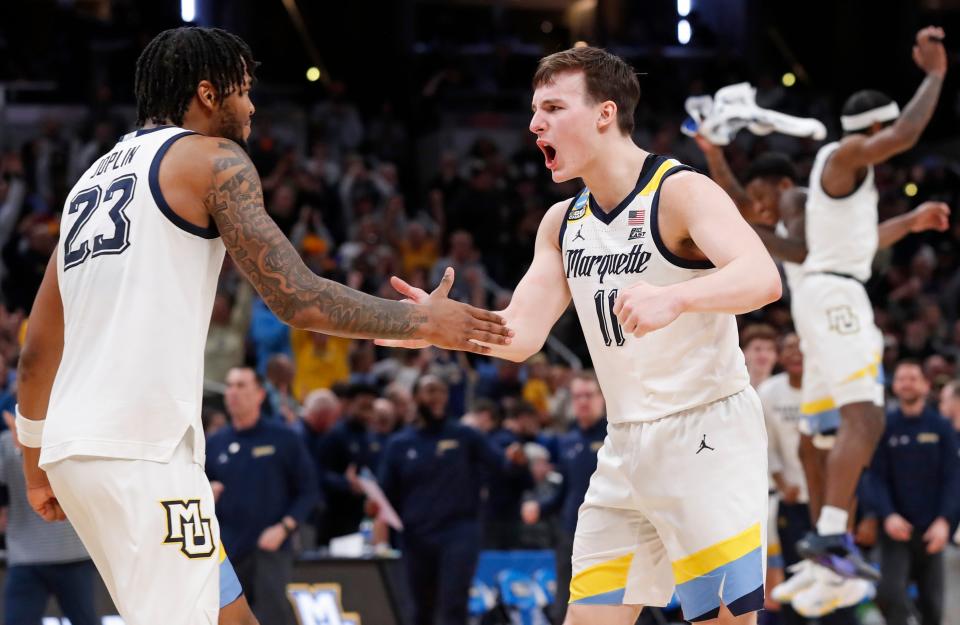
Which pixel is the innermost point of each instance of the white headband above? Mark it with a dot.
(885, 113)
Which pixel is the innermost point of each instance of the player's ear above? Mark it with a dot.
(608, 115)
(207, 95)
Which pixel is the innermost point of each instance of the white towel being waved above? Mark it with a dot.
(733, 108)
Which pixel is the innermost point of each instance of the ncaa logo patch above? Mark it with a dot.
(579, 207)
(319, 604)
(187, 527)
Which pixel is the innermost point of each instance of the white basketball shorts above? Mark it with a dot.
(842, 349)
(152, 533)
(678, 503)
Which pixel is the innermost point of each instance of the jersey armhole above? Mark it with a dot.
(670, 257)
(845, 195)
(566, 216)
(154, 179)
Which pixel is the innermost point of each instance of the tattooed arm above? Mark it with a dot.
(215, 177)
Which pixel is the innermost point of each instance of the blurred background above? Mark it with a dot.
(391, 138)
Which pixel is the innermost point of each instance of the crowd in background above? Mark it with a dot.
(358, 212)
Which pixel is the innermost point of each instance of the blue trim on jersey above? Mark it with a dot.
(650, 165)
(139, 132)
(230, 589)
(206, 233)
(670, 257)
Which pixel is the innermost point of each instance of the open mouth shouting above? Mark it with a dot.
(549, 153)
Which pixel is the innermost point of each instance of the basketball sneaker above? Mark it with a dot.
(838, 553)
(827, 595)
(802, 578)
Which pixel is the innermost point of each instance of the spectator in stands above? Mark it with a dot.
(950, 403)
(280, 403)
(536, 390)
(268, 334)
(576, 461)
(386, 422)
(418, 249)
(226, 339)
(523, 421)
(432, 474)
(402, 400)
(13, 190)
(30, 257)
(343, 454)
(759, 344)
(914, 482)
(43, 559)
(265, 485)
(500, 512)
(470, 273)
(320, 361)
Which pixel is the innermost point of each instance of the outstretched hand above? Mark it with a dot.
(452, 325)
(928, 51)
(930, 216)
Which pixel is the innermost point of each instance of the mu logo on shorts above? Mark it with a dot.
(843, 320)
(187, 527)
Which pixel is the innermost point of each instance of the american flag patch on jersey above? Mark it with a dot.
(635, 218)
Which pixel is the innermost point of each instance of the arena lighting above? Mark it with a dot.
(188, 10)
(683, 7)
(313, 74)
(546, 27)
(789, 79)
(581, 44)
(910, 189)
(683, 32)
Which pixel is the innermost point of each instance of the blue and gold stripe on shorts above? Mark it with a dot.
(730, 571)
(601, 584)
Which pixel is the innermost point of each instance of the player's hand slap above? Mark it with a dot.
(45, 503)
(453, 325)
(643, 308)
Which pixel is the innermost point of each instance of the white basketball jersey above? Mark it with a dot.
(841, 232)
(137, 283)
(693, 361)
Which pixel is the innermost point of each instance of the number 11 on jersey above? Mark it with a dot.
(602, 308)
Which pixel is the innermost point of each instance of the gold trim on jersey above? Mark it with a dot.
(651, 187)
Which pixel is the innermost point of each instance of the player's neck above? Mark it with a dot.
(189, 123)
(796, 381)
(614, 175)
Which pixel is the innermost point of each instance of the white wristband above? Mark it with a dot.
(29, 432)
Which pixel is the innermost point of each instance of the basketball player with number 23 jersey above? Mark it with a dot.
(657, 261)
(111, 373)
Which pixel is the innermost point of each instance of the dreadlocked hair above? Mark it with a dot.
(175, 61)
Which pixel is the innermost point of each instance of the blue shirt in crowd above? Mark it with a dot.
(268, 334)
(576, 461)
(432, 474)
(916, 470)
(267, 474)
(348, 442)
(505, 489)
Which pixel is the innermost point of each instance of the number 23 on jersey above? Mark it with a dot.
(86, 204)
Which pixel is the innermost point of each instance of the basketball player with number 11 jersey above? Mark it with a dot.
(657, 261)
